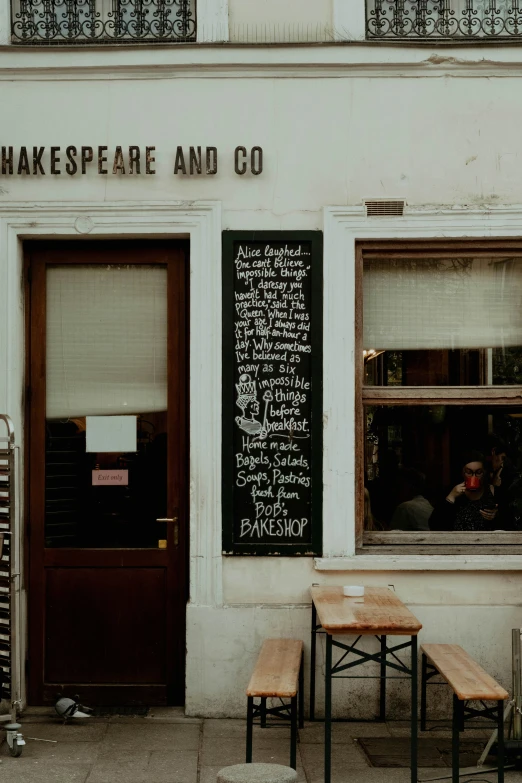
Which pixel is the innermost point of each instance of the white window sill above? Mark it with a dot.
(420, 563)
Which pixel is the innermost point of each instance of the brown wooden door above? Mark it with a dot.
(107, 582)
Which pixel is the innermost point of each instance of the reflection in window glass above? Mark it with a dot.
(443, 468)
(442, 321)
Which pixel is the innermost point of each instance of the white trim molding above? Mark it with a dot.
(212, 21)
(420, 563)
(343, 227)
(201, 222)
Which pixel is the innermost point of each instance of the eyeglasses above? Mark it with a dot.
(468, 472)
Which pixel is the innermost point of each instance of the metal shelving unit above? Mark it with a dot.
(9, 593)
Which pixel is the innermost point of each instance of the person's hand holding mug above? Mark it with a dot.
(457, 490)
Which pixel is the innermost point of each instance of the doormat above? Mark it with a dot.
(105, 712)
(433, 752)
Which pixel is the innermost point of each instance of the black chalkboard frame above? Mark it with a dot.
(230, 547)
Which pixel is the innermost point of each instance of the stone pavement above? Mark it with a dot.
(166, 747)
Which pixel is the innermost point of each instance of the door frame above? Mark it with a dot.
(201, 223)
(37, 257)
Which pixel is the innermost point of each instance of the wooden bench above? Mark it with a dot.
(278, 674)
(469, 682)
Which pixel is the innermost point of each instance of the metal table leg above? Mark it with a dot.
(382, 691)
(414, 727)
(456, 726)
(500, 742)
(328, 711)
(312, 663)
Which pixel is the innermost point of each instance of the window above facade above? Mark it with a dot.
(441, 20)
(440, 416)
(102, 21)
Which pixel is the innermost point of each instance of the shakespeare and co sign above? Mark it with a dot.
(77, 160)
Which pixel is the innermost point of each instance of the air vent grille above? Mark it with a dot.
(380, 207)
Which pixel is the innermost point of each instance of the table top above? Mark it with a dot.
(381, 612)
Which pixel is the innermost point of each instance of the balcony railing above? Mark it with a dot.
(102, 21)
(444, 19)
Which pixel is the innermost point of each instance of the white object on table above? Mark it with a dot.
(353, 591)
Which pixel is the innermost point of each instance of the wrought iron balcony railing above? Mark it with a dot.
(444, 19)
(102, 21)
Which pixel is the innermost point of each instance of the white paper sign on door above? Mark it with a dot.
(111, 433)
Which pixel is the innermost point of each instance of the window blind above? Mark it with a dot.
(442, 304)
(106, 340)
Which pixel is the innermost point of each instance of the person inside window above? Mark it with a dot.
(415, 511)
(471, 504)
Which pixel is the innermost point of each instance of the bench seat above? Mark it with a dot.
(278, 674)
(464, 675)
(470, 684)
(277, 669)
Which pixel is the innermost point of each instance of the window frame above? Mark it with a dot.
(431, 543)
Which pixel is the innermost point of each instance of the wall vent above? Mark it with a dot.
(384, 207)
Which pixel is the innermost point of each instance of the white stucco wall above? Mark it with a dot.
(336, 126)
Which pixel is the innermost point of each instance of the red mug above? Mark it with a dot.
(472, 482)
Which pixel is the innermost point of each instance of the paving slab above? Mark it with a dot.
(226, 751)
(313, 733)
(148, 736)
(358, 775)
(83, 731)
(171, 715)
(166, 748)
(225, 727)
(179, 767)
(209, 774)
(437, 729)
(222, 751)
(132, 771)
(349, 755)
(61, 752)
(34, 771)
(110, 752)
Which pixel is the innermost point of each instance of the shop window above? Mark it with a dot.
(440, 424)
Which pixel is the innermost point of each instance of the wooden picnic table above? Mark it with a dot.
(381, 614)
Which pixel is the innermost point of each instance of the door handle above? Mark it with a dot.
(175, 522)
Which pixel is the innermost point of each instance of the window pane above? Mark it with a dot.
(439, 322)
(106, 354)
(417, 456)
(106, 340)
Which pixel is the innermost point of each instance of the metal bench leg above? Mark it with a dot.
(250, 723)
(293, 733)
(328, 711)
(301, 693)
(312, 663)
(382, 693)
(455, 739)
(500, 742)
(263, 712)
(424, 671)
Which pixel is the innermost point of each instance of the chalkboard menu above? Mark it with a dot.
(272, 403)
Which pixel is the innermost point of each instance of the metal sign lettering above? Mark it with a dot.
(132, 160)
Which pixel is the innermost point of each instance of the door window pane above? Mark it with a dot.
(106, 350)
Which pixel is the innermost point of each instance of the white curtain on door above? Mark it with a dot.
(442, 304)
(106, 340)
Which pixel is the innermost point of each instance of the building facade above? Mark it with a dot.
(147, 152)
